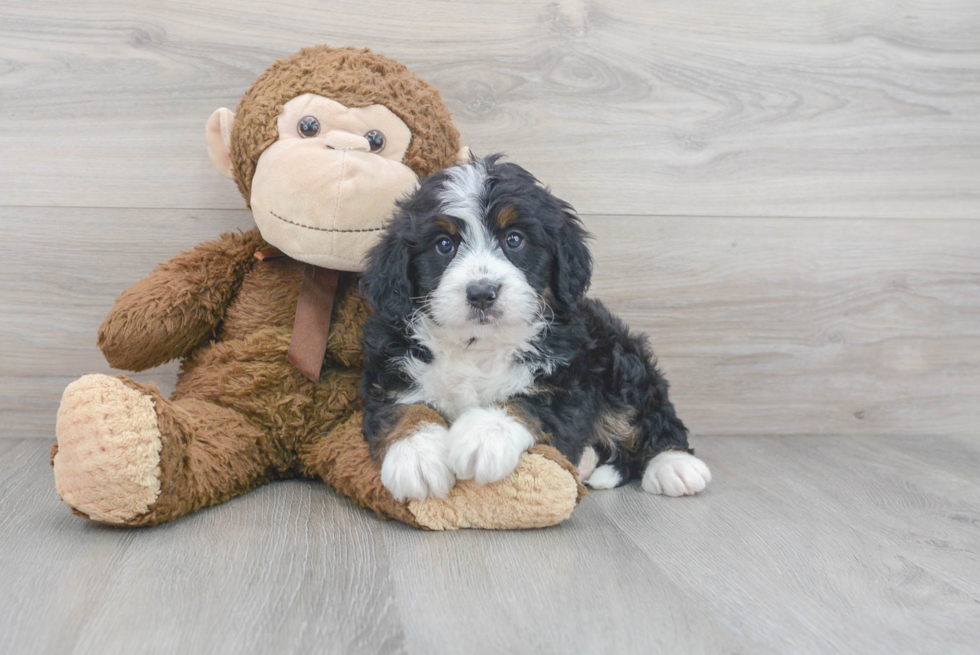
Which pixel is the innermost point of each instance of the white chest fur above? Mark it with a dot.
(471, 373)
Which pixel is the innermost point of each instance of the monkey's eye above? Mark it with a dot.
(376, 140)
(308, 126)
(445, 246)
(514, 240)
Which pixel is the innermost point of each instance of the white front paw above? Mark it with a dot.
(676, 473)
(485, 445)
(415, 468)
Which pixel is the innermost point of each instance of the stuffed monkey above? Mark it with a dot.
(267, 323)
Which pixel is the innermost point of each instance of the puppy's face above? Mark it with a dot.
(482, 263)
(481, 247)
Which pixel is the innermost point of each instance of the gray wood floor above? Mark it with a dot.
(802, 545)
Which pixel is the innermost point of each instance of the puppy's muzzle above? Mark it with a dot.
(482, 295)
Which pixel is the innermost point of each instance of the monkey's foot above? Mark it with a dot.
(107, 461)
(543, 490)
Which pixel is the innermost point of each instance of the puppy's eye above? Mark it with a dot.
(445, 246)
(514, 240)
(376, 140)
(308, 126)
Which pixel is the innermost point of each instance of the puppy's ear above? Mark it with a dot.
(386, 282)
(572, 271)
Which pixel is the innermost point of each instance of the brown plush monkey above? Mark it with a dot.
(267, 329)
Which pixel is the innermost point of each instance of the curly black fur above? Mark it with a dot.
(590, 367)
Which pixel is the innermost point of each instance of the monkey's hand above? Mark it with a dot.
(178, 305)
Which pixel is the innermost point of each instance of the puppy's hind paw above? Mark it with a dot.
(676, 473)
(604, 477)
(415, 468)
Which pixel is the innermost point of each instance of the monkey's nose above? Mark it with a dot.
(482, 295)
(340, 140)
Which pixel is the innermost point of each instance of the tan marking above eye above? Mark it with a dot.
(506, 216)
(447, 225)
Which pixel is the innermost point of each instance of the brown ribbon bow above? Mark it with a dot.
(314, 307)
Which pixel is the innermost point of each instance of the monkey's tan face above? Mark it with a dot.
(324, 190)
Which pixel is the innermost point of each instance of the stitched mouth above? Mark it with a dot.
(323, 229)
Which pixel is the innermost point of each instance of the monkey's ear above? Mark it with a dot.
(464, 154)
(219, 140)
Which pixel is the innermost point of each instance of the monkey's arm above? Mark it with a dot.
(178, 305)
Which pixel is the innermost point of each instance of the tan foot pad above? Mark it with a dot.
(107, 465)
(540, 492)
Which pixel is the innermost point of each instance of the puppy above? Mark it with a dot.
(480, 323)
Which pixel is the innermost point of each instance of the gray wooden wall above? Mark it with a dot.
(785, 196)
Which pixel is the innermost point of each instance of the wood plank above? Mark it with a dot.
(578, 587)
(629, 106)
(804, 545)
(763, 326)
(775, 327)
(812, 527)
(70, 268)
(957, 455)
(924, 505)
(291, 567)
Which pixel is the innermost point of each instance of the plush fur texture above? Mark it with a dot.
(354, 78)
(111, 463)
(478, 288)
(241, 415)
(526, 501)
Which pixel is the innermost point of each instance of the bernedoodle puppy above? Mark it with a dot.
(481, 323)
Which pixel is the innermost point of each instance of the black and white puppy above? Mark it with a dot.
(482, 343)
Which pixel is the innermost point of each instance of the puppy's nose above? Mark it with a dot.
(481, 295)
